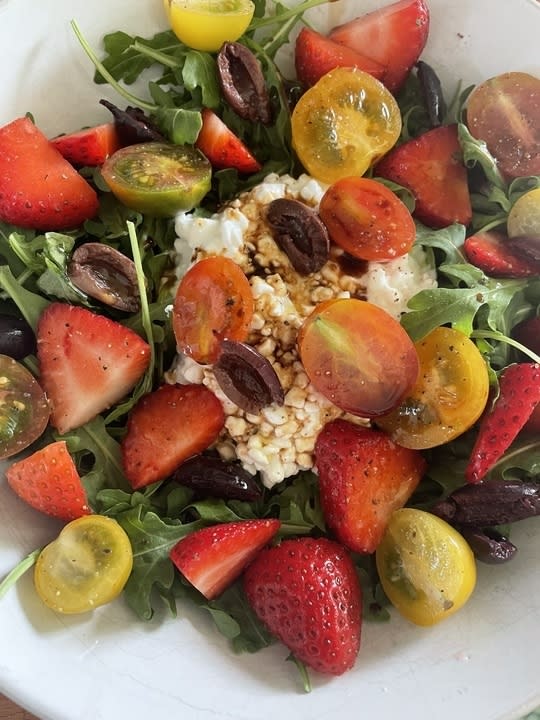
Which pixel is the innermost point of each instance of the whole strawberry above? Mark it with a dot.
(306, 591)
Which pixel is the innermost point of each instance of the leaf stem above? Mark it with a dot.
(158, 56)
(494, 335)
(286, 14)
(18, 571)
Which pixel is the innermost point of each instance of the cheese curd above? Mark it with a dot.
(279, 442)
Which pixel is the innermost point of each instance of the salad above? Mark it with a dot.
(133, 443)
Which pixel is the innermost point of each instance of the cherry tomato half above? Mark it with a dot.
(524, 216)
(213, 302)
(86, 566)
(367, 220)
(426, 567)
(357, 356)
(449, 396)
(207, 24)
(157, 178)
(504, 112)
(343, 124)
(24, 410)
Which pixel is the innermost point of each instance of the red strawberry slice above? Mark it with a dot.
(488, 251)
(214, 557)
(431, 167)
(363, 477)
(306, 591)
(167, 427)
(91, 146)
(87, 363)
(315, 55)
(394, 36)
(222, 147)
(519, 395)
(39, 188)
(48, 481)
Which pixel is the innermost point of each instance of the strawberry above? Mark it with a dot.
(519, 395)
(214, 557)
(315, 55)
(487, 250)
(91, 146)
(39, 188)
(167, 427)
(394, 36)
(48, 481)
(87, 363)
(306, 591)
(431, 167)
(222, 147)
(363, 477)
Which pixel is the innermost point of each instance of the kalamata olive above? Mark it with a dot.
(489, 545)
(17, 339)
(247, 378)
(132, 125)
(432, 92)
(105, 274)
(242, 83)
(300, 233)
(211, 476)
(526, 247)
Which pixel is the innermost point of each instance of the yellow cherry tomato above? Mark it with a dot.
(86, 566)
(343, 124)
(524, 216)
(448, 397)
(426, 568)
(207, 24)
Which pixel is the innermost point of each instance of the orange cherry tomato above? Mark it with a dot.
(357, 356)
(367, 220)
(213, 302)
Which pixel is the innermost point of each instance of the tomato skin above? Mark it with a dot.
(204, 25)
(213, 302)
(449, 396)
(357, 356)
(426, 567)
(367, 220)
(524, 216)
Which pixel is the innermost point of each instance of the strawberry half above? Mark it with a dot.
(48, 481)
(306, 591)
(431, 167)
(363, 477)
(91, 146)
(519, 395)
(394, 36)
(488, 251)
(87, 363)
(214, 557)
(222, 147)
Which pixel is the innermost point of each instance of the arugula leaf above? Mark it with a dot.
(30, 304)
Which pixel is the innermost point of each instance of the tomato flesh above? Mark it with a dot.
(367, 220)
(524, 216)
(86, 566)
(426, 567)
(357, 356)
(207, 24)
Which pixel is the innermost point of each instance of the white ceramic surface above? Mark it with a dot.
(482, 664)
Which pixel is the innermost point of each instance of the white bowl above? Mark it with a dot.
(481, 664)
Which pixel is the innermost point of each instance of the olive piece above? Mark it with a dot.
(247, 378)
(432, 92)
(300, 233)
(17, 339)
(242, 83)
(105, 274)
(489, 545)
(526, 247)
(211, 476)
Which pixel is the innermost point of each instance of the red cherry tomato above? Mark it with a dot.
(358, 356)
(213, 303)
(367, 220)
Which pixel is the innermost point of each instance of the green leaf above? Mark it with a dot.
(181, 126)
(475, 152)
(30, 304)
(199, 73)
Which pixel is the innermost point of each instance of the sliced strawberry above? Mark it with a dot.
(48, 481)
(431, 167)
(519, 395)
(393, 35)
(363, 477)
(306, 592)
(91, 146)
(488, 251)
(87, 363)
(39, 188)
(167, 427)
(214, 557)
(315, 55)
(222, 147)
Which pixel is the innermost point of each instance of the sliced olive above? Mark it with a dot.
(17, 339)
(211, 476)
(105, 274)
(489, 545)
(527, 247)
(247, 378)
(132, 125)
(158, 178)
(242, 83)
(431, 87)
